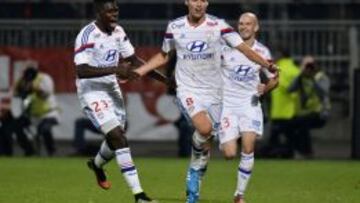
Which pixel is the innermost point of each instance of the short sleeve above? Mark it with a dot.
(267, 55)
(126, 49)
(168, 42)
(83, 49)
(229, 35)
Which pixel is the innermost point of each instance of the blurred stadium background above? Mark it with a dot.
(43, 31)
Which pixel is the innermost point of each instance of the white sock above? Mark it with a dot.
(126, 164)
(104, 155)
(199, 157)
(244, 172)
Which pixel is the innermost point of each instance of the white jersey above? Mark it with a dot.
(241, 75)
(101, 50)
(101, 97)
(198, 52)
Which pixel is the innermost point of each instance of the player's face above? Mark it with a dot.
(109, 15)
(197, 8)
(247, 27)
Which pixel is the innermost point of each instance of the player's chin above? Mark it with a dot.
(200, 14)
(113, 25)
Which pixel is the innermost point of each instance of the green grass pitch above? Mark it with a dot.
(67, 180)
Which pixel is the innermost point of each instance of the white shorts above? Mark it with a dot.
(105, 109)
(193, 103)
(244, 118)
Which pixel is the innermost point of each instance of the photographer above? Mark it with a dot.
(36, 89)
(313, 87)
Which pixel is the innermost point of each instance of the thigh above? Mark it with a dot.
(200, 108)
(229, 129)
(118, 104)
(102, 107)
(251, 120)
(191, 102)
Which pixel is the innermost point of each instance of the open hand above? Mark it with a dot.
(125, 71)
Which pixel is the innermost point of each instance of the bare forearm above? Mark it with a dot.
(271, 84)
(155, 62)
(252, 55)
(86, 71)
(159, 76)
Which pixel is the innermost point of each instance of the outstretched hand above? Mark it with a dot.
(125, 71)
(273, 68)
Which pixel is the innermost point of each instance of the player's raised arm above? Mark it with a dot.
(234, 40)
(252, 55)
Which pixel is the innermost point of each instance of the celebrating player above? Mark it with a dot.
(99, 47)
(242, 114)
(197, 38)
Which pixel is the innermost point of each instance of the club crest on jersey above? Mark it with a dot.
(211, 24)
(197, 46)
(110, 55)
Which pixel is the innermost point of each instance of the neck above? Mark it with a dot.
(195, 21)
(250, 42)
(102, 27)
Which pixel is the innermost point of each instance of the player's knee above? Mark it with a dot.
(229, 153)
(205, 129)
(247, 150)
(203, 124)
(116, 139)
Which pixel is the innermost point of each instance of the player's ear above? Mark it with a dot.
(207, 3)
(257, 27)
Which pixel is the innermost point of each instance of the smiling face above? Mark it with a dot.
(107, 15)
(248, 26)
(197, 8)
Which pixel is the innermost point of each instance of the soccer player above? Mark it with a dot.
(196, 38)
(98, 48)
(242, 115)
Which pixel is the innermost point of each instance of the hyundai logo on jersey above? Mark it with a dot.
(197, 46)
(110, 55)
(243, 73)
